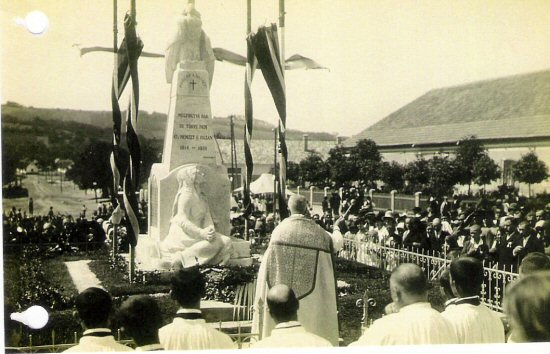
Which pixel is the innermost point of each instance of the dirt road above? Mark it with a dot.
(46, 193)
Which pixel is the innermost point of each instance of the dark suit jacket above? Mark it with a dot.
(533, 245)
(481, 253)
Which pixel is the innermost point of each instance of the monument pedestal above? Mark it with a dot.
(189, 142)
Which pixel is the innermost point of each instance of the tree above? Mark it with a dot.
(293, 173)
(342, 171)
(417, 174)
(93, 165)
(392, 174)
(529, 169)
(443, 175)
(314, 170)
(469, 151)
(485, 170)
(367, 158)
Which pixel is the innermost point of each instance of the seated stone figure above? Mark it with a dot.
(192, 238)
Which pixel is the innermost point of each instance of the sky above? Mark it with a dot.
(381, 54)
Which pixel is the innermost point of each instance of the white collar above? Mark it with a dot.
(97, 330)
(182, 310)
(149, 347)
(288, 324)
(415, 306)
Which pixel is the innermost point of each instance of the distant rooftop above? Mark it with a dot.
(511, 107)
(262, 150)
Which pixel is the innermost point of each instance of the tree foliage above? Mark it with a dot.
(469, 151)
(417, 175)
(529, 169)
(392, 174)
(485, 170)
(314, 170)
(443, 175)
(342, 170)
(367, 158)
(92, 165)
(293, 173)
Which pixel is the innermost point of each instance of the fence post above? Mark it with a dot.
(417, 199)
(326, 191)
(392, 200)
(371, 192)
(298, 190)
(311, 196)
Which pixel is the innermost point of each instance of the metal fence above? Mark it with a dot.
(432, 263)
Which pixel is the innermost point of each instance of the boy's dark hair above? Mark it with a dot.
(140, 316)
(467, 273)
(188, 286)
(94, 306)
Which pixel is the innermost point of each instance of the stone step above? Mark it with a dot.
(233, 327)
(216, 311)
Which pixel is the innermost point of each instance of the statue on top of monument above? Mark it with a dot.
(192, 237)
(189, 43)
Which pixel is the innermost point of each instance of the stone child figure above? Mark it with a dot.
(192, 237)
(189, 43)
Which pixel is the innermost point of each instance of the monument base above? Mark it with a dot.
(148, 256)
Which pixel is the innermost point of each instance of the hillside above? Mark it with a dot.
(150, 125)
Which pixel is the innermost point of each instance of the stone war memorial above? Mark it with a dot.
(189, 191)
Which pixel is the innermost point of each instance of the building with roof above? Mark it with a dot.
(263, 153)
(510, 115)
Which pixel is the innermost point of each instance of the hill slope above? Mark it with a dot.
(150, 125)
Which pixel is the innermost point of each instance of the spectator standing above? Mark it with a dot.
(415, 322)
(94, 308)
(527, 242)
(288, 332)
(476, 246)
(189, 331)
(472, 321)
(503, 246)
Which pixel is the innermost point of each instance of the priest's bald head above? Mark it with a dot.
(282, 303)
(408, 285)
(298, 204)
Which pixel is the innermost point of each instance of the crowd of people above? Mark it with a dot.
(295, 301)
(500, 232)
(62, 232)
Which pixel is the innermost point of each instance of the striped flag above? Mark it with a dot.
(266, 49)
(251, 64)
(126, 69)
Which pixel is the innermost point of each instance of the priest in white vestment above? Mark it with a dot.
(300, 255)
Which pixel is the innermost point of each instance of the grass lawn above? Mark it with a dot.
(360, 278)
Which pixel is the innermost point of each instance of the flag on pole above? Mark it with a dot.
(266, 49)
(293, 62)
(251, 64)
(126, 69)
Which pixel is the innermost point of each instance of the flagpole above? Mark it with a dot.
(282, 27)
(115, 50)
(132, 265)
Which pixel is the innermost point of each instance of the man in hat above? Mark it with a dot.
(299, 255)
(475, 246)
(94, 308)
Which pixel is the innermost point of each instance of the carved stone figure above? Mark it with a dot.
(192, 237)
(189, 43)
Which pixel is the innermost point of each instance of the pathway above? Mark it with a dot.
(82, 276)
